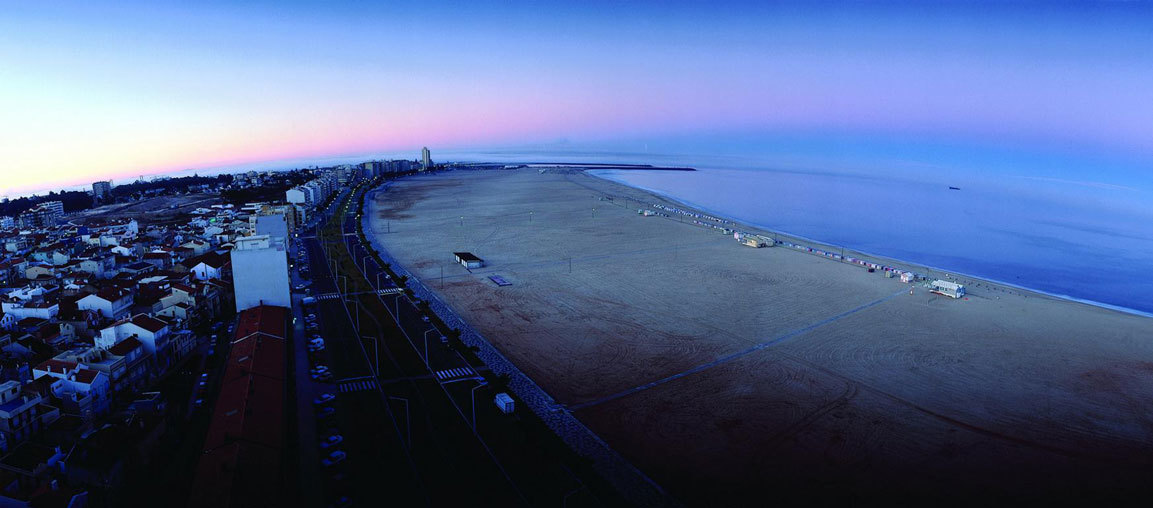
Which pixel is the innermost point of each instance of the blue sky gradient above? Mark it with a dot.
(1055, 91)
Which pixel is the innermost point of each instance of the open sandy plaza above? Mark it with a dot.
(728, 373)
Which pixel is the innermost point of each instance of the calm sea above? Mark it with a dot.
(1080, 247)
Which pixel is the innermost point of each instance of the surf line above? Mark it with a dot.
(733, 356)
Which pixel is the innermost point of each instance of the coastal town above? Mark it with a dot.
(150, 328)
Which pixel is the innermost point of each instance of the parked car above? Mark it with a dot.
(322, 376)
(316, 341)
(323, 399)
(325, 412)
(333, 459)
(443, 339)
(331, 441)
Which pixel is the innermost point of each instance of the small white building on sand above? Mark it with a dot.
(950, 289)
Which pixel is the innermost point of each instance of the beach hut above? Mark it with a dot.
(949, 289)
(468, 260)
(907, 277)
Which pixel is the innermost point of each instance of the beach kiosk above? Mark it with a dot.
(949, 289)
(468, 260)
(754, 241)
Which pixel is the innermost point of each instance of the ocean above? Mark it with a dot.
(1070, 243)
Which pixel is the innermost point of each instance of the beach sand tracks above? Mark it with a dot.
(918, 389)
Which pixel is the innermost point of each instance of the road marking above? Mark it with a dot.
(458, 372)
(382, 292)
(357, 385)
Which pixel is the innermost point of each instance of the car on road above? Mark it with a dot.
(443, 339)
(425, 319)
(323, 399)
(333, 459)
(331, 441)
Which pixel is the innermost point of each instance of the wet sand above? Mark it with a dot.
(732, 374)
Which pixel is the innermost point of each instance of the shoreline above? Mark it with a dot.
(691, 357)
(886, 259)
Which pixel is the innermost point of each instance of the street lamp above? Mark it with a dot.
(426, 347)
(472, 395)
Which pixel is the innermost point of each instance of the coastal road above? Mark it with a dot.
(448, 466)
(531, 456)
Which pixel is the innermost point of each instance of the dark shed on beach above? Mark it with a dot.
(468, 260)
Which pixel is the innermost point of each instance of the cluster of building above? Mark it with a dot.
(93, 317)
(318, 190)
(42, 215)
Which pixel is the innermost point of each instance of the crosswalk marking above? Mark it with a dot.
(382, 292)
(459, 372)
(358, 385)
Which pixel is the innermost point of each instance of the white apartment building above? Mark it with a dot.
(260, 272)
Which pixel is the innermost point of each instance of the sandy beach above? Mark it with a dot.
(729, 373)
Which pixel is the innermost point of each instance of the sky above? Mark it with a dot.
(1054, 92)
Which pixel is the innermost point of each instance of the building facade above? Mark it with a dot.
(260, 273)
(102, 191)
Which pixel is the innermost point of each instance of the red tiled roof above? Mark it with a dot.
(238, 474)
(58, 366)
(242, 461)
(266, 319)
(184, 287)
(148, 322)
(86, 376)
(211, 259)
(112, 294)
(31, 321)
(125, 346)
